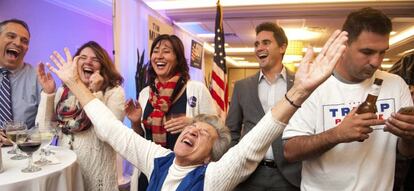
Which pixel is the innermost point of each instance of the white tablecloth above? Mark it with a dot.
(63, 176)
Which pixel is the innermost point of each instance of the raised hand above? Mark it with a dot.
(45, 79)
(66, 69)
(96, 81)
(310, 73)
(133, 111)
(3, 139)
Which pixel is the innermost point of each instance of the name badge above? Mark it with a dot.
(192, 101)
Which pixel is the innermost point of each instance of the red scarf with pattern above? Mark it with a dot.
(161, 98)
(70, 114)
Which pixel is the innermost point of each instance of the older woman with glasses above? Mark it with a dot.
(170, 101)
(198, 161)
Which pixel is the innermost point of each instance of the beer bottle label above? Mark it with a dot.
(375, 90)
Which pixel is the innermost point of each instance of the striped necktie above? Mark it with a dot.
(6, 113)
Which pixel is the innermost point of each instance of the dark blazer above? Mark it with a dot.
(246, 111)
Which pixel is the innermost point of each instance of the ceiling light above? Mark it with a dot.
(315, 49)
(393, 33)
(241, 63)
(402, 36)
(206, 35)
(191, 4)
(225, 44)
(210, 49)
(250, 64)
(187, 23)
(386, 59)
(240, 50)
(237, 58)
(292, 58)
(386, 66)
(246, 64)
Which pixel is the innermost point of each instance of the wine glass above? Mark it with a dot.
(29, 141)
(9, 126)
(12, 129)
(48, 134)
(2, 128)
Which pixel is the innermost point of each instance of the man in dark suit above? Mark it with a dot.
(254, 96)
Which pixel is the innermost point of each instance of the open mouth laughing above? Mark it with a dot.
(161, 65)
(13, 53)
(262, 56)
(187, 142)
(88, 71)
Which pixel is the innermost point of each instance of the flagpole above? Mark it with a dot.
(218, 88)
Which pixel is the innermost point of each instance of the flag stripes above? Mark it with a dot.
(218, 75)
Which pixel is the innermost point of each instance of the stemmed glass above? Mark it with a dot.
(12, 129)
(29, 141)
(8, 126)
(47, 138)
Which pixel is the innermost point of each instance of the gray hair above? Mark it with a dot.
(17, 21)
(222, 144)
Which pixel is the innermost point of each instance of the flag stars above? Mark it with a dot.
(218, 38)
(218, 30)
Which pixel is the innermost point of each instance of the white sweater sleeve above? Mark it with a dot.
(242, 159)
(45, 110)
(136, 149)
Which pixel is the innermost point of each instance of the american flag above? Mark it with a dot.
(218, 87)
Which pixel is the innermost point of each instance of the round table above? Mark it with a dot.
(63, 176)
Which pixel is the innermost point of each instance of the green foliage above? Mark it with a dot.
(141, 74)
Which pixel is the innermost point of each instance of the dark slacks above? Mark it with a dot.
(266, 179)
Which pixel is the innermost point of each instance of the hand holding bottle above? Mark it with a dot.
(356, 127)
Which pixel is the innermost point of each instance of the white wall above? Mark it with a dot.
(53, 28)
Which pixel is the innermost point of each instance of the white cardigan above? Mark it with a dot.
(203, 105)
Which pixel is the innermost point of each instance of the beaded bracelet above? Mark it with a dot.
(291, 102)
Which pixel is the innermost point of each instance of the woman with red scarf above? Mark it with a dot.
(170, 101)
(96, 159)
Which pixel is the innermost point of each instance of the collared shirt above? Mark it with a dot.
(270, 93)
(25, 94)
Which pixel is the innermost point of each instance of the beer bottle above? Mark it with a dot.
(369, 105)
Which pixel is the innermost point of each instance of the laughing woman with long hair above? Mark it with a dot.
(96, 70)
